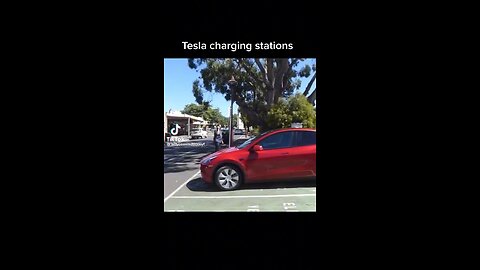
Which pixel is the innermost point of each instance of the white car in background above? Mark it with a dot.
(198, 133)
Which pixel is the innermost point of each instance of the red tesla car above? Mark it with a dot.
(281, 154)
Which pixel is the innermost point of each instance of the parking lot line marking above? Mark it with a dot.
(230, 210)
(182, 185)
(246, 196)
(253, 189)
(210, 210)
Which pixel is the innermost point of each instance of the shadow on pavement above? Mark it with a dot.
(173, 168)
(177, 160)
(179, 163)
(198, 185)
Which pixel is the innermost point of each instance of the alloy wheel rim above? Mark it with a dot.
(228, 178)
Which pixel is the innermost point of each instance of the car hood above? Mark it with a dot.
(227, 150)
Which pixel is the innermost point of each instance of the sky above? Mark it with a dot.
(178, 81)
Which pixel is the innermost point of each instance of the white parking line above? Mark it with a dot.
(182, 185)
(256, 190)
(251, 196)
(230, 210)
(209, 210)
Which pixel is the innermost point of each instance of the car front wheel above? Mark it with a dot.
(228, 177)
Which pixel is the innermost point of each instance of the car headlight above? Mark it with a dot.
(208, 160)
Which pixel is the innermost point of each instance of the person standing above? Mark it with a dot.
(217, 138)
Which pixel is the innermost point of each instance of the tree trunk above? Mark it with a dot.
(279, 87)
(313, 97)
(270, 97)
(310, 84)
(253, 115)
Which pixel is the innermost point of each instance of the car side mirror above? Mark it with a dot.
(257, 147)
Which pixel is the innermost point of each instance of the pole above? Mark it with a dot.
(232, 84)
(230, 139)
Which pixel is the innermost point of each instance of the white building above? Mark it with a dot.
(186, 122)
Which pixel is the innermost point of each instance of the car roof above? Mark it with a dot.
(286, 129)
(292, 129)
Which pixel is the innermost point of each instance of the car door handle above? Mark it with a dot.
(285, 153)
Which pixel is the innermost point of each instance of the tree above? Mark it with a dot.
(261, 82)
(244, 120)
(297, 109)
(235, 117)
(214, 116)
(194, 109)
(206, 112)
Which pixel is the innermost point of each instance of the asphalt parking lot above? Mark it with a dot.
(186, 192)
(198, 196)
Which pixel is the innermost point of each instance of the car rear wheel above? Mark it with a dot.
(228, 177)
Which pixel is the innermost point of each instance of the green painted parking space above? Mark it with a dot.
(271, 197)
(251, 204)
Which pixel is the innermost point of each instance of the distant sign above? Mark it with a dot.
(297, 125)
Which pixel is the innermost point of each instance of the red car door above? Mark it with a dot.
(275, 161)
(305, 153)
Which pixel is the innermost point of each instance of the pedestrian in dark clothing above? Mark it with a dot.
(218, 141)
(217, 138)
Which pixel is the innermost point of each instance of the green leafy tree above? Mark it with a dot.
(235, 117)
(194, 109)
(297, 109)
(215, 116)
(206, 112)
(244, 120)
(262, 82)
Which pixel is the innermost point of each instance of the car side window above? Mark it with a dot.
(278, 140)
(306, 138)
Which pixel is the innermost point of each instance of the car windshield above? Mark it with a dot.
(249, 141)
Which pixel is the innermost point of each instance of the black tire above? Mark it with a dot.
(228, 177)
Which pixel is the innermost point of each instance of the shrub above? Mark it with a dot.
(296, 109)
